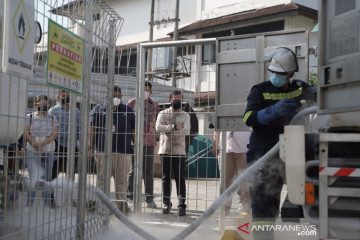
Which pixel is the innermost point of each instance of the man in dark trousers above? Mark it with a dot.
(173, 124)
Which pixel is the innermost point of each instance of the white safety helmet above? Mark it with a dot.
(283, 60)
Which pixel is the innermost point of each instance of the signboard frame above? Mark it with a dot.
(65, 56)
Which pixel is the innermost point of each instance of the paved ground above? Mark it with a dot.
(200, 195)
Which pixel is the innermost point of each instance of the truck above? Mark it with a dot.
(322, 152)
(323, 167)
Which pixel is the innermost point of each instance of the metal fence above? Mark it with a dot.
(56, 201)
(66, 205)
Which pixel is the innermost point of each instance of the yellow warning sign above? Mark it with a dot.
(65, 58)
(21, 25)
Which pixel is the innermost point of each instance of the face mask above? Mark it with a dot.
(277, 80)
(176, 104)
(65, 100)
(146, 95)
(116, 101)
(42, 108)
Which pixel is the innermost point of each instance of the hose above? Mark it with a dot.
(132, 226)
(42, 185)
(250, 171)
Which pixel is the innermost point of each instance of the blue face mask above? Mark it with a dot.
(278, 80)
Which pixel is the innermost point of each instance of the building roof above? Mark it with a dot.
(227, 21)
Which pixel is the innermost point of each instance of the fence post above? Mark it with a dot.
(109, 109)
(139, 129)
(81, 209)
(222, 178)
(70, 166)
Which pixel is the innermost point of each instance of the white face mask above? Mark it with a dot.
(116, 101)
(146, 95)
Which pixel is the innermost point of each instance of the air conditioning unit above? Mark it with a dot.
(161, 59)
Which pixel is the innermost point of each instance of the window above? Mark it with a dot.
(181, 51)
(208, 54)
(191, 50)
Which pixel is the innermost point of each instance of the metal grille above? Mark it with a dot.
(79, 213)
(64, 203)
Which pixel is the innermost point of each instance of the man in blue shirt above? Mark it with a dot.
(123, 129)
(62, 113)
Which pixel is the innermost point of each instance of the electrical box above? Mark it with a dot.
(161, 59)
(239, 67)
(339, 56)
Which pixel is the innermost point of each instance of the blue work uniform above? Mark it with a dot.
(265, 192)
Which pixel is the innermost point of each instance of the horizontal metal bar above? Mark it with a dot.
(344, 192)
(203, 41)
(339, 137)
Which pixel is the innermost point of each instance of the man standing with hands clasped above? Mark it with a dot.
(173, 124)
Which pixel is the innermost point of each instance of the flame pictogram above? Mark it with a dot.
(21, 26)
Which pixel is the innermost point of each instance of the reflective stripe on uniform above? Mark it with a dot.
(247, 115)
(279, 96)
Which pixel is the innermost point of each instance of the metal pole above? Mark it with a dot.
(80, 212)
(175, 37)
(109, 108)
(191, 42)
(71, 139)
(151, 38)
(70, 166)
(222, 178)
(139, 130)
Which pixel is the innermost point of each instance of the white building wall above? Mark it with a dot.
(214, 9)
(137, 14)
(137, 17)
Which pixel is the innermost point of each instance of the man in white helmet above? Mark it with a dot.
(271, 105)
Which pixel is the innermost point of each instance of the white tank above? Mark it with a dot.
(17, 60)
(13, 104)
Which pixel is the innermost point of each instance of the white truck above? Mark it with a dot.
(323, 158)
(323, 168)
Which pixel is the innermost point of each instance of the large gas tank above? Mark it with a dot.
(17, 34)
(13, 103)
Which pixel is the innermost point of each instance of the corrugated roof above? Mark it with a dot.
(206, 25)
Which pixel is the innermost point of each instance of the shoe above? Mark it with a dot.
(167, 208)
(130, 197)
(151, 204)
(182, 211)
(52, 201)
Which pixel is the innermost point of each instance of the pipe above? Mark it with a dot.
(227, 193)
(43, 185)
(250, 171)
(302, 113)
(132, 226)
